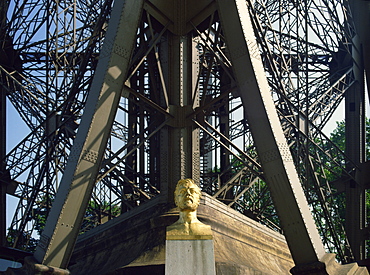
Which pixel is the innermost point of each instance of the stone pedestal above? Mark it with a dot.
(190, 257)
(135, 242)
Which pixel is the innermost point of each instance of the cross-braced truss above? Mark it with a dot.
(49, 51)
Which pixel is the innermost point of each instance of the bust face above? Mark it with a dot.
(187, 195)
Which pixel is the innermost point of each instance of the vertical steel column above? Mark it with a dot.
(355, 150)
(279, 170)
(3, 185)
(62, 227)
(183, 138)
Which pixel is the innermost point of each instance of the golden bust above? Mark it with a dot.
(188, 227)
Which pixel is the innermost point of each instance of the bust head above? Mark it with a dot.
(187, 195)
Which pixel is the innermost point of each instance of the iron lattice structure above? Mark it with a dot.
(49, 51)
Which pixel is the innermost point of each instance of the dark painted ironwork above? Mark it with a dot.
(51, 51)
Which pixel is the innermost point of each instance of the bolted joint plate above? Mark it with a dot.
(181, 116)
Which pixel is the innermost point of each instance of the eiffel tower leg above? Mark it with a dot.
(355, 143)
(281, 176)
(2, 168)
(62, 227)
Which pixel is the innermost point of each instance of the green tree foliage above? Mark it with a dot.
(338, 136)
(98, 213)
(37, 219)
(21, 240)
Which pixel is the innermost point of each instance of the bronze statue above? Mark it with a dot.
(188, 227)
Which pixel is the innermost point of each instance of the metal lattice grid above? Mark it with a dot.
(306, 52)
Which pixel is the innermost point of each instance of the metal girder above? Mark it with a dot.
(63, 224)
(180, 139)
(361, 13)
(355, 149)
(3, 183)
(298, 225)
(47, 77)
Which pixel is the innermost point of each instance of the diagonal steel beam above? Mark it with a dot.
(280, 173)
(63, 224)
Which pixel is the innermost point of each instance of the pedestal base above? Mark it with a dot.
(328, 265)
(135, 242)
(190, 257)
